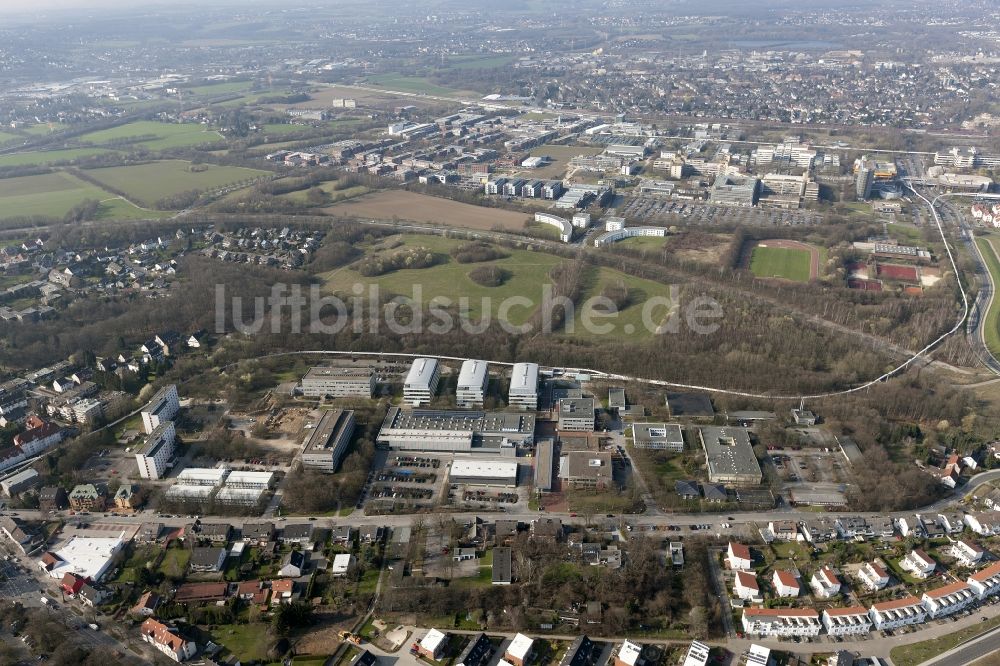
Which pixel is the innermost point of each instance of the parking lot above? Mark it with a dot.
(15, 583)
(670, 211)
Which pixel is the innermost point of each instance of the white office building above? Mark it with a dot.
(163, 407)
(421, 381)
(157, 451)
(472, 381)
(523, 391)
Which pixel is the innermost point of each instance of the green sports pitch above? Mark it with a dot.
(780, 262)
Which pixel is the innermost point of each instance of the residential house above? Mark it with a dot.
(432, 645)
(819, 530)
(93, 596)
(209, 560)
(850, 527)
(300, 533)
(341, 564)
(687, 489)
(714, 492)
(478, 652)
(195, 593)
(341, 534)
(874, 576)
(852, 621)
(738, 557)
(371, 533)
(147, 604)
(258, 533)
(745, 586)
(581, 652)
(983, 524)
(502, 566)
(519, 651)
(505, 531)
(897, 613)
(966, 552)
(825, 583)
(785, 583)
(947, 599)
(215, 532)
(126, 498)
(282, 591)
(294, 565)
(918, 563)
(781, 622)
(167, 640)
(629, 654)
(986, 582)
(88, 497)
(784, 530)
(71, 584)
(547, 529)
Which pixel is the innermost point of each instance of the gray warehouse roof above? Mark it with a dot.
(729, 452)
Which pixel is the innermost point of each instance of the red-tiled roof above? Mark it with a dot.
(781, 612)
(896, 603)
(984, 574)
(786, 578)
(951, 588)
(161, 634)
(851, 610)
(739, 550)
(747, 580)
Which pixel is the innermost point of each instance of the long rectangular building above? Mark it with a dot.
(472, 380)
(483, 473)
(523, 392)
(156, 451)
(730, 456)
(163, 407)
(342, 382)
(421, 381)
(456, 430)
(328, 441)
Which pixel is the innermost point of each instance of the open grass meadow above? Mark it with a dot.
(628, 321)
(148, 183)
(782, 262)
(48, 195)
(154, 135)
(991, 326)
(222, 88)
(410, 84)
(49, 156)
(449, 279)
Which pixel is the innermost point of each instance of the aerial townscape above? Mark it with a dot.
(444, 333)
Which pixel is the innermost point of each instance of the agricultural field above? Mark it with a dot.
(777, 259)
(167, 135)
(991, 326)
(49, 156)
(527, 272)
(331, 188)
(426, 209)
(48, 195)
(223, 88)
(7, 136)
(148, 183)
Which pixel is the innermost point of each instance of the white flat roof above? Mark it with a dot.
(189, 492)
(421, 371)
(203, 474)
(432, 641)
(228, 493)
(472, 375)
(483, 468)
(262, 478)
(87, 557)
(629, 653)
(520, 646)
(524, 377)
(341, 562)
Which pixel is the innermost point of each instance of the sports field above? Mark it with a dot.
(422, 208)
(789, 263)
(48, 195)
(148, 183)
(164, 135)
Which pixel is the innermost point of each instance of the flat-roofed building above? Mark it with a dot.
(202, 476)
(781, 621)
(163, 407)
(853, 621)
(19, 482)
(519, 650)
(502, 566)
(472, 381)
(589, 469)
(339, 382)
(494, 433)
(576, 414)
(255, 480)
(544, 471)
(658, 436)
(432, 644)
(326, 444)
(157, 451)
(897, 613)
(483, 473)
(697, 654)
(730, 456)
(523, 392)
(421, 381)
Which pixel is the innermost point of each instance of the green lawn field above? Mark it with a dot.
(48, 195)
(450, 279)
(7, 136)
(49, 156)
(782, 262)
(644, 242)
(628, 321)
(168, 135)
(991, 326)
(148, 183)
(222, 88)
